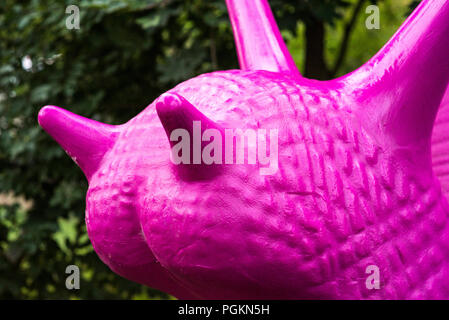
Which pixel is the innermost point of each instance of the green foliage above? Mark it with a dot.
(125, 55)
(329, 11)
(392, 15)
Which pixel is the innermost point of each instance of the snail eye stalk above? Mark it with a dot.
(259, 43)
(404, 83)
(86, 141)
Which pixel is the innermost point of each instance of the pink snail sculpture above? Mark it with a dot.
(440, 145)
(353, 185)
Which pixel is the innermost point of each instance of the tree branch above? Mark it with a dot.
(315, 64)
(346, 37)
(213, 50)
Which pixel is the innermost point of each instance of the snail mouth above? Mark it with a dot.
(129, 254)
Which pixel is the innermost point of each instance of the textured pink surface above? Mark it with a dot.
(355, 185)
(440, 145)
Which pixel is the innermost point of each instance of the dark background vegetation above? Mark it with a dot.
(124, 56)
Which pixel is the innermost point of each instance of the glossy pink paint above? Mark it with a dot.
(440, 145)
(355, 185)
